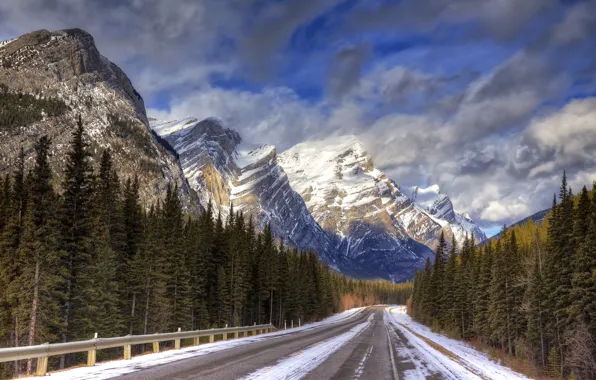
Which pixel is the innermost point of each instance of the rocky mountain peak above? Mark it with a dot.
(440, 206)
(66, 67)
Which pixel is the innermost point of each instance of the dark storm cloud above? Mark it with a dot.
(345, 70)
(272, 27)
(578, 24)
(478, 159)
(509, 96)
(501, 19)
(525, 72)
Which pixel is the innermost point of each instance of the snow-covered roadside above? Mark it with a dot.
(107, 370)
(300, 363)
(468, 362)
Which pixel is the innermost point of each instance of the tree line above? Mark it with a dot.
(19, 109)
(91, 259)
(530, 293)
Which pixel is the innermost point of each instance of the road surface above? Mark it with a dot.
(366, 356)
(375, 343)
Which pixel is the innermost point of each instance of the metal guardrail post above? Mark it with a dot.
(127, 352)
(42, 362)
(236, 335)
(42, 366)
(155, 347)
(92, 355)
(211, 338)
(195, 341)
(177, 341)
(224, 336)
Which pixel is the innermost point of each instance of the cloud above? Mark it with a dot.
(509, 95)
(345, 70)
(578, 24)
(494, 132)
(563, 140)
(275, 115)
(272, 27)
(497, 211)
(151, 39)
(501, 19)
(398, 85)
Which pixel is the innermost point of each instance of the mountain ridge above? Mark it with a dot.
(67, 66)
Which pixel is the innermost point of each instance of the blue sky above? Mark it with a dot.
(491, 100)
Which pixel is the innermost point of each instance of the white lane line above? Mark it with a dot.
(360, 369)
(300, 363)
(393, 366)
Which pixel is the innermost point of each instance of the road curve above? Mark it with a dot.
(241, 361)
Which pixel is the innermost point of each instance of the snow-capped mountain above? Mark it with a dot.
(440, 207)
(223, 169)
(352, 200)
(375, 220)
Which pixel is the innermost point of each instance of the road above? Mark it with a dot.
(376, 343)
(366, 356)
(241, 361)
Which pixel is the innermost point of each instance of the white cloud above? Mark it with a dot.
(497, 211)
(275, 115)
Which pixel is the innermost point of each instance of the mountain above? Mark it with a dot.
(226, 171)
(376, 226)
(537, 218)
(324, 196)
(375, 222)
(60, 75)
(440, 207)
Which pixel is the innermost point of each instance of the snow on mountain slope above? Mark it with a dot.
(440, 206)
(348, 197)
(224, 170)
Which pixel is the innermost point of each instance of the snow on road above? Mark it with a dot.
(301, 363)
(111, 369)
(464, 362)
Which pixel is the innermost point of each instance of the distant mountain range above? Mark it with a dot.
(319, 195)
(537, 218)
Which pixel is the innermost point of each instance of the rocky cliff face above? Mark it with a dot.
(66, 66)
(225, 171)
(440, 207)
(378, 225)
(359, 205)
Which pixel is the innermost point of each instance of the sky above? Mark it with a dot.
(490, 99)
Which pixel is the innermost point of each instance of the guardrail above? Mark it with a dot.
(44, 351)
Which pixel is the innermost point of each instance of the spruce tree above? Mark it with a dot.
(436, 291)
(39, 255)
(76, 233)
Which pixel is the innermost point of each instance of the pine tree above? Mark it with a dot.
(221, 298)
(583, 292)
(535, 314)
(176, 268)
(483, 295)
(436, 291)
(130, 277)
(498, 298)
(39, 255)
(76, 233)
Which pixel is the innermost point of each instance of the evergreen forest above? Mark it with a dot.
(531, 293)
(91, 259)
